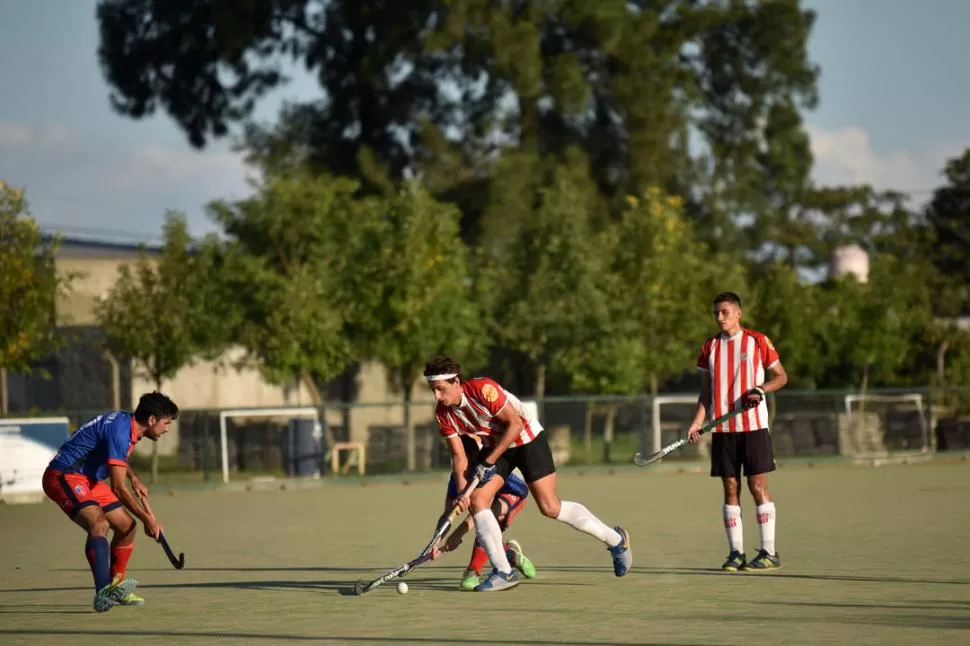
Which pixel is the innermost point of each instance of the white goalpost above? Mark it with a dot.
(877, 426)
(286, 413)
(677, 425)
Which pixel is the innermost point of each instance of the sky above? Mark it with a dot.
(894, 103)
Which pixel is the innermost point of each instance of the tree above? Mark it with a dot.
(406, 83)
(661, 292)
(302, 257)
(541, 272)
(426, 305)
(30, 286)
(948, 220)
(871, 326)
(160, 314)
(786, 309)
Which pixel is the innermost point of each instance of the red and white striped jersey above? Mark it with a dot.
(481, 401)
(736, 365)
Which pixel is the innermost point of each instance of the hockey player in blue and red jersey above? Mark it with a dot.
(87, 481)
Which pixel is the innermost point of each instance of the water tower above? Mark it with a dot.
(851, 259)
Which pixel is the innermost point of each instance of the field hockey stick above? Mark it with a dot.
(641, 461)
(426, 554)
(177, 562)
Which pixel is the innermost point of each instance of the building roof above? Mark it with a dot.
(75, 246)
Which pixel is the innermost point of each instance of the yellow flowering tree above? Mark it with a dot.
(29, 288)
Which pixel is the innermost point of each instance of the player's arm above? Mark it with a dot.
(510, 419)
(136, 484)
(118, 473)
(458, 534)
(703, 400)
(779, 378)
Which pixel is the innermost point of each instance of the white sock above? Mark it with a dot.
(490, 537)
(734, 528)
(578, 517)
(766, 523)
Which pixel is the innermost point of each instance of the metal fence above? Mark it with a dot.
(581, 429)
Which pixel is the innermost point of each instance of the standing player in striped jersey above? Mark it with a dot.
(511, 439)
(735, 364)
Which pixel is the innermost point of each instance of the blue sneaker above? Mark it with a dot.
(622, 555)
(498, 581)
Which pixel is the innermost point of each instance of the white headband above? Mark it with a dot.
(438, 377)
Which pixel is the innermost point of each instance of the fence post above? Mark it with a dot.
(205, 447)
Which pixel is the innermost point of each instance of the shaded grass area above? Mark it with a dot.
(870, 556)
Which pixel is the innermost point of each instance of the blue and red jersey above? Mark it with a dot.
(105, 440)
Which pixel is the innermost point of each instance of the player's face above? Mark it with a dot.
(728, 317)
(447, 392)
(157, 427)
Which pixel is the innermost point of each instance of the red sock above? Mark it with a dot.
(479, 559)
(119, 559)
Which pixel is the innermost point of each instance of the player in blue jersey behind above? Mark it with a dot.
(508, 503)
(87, 481)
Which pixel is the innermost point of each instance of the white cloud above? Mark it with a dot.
(18, 135)
(83, 182)
(847, 156)
(12, 134)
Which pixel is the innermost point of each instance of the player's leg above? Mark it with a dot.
(489, 532)
(479, 557)
(725, 464)
(73, 494)
(535, 461)
(123, 528)
(506, 507)
(759, 461)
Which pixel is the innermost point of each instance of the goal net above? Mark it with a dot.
(878, 426)
(671, 416)
(267, 441)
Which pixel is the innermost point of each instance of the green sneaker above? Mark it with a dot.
(735, 561)
(470, 580)
(130, 599)
(764, 561)
(520, 561)
(112, 594)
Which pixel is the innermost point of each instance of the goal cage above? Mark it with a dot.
(812, 425)
(891, 425)
(293, 435)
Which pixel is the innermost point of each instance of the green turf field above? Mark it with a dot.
(871, 556)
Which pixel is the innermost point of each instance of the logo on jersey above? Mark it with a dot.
(489, 392)
(771, 346)
(744, 356)
(79, 489)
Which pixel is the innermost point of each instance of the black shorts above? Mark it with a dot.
(534, 460)
(751, 451)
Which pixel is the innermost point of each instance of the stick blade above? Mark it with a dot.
(643, 461)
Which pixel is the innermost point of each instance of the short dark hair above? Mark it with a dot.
(728, 297)
(442, 365)
(157, 404)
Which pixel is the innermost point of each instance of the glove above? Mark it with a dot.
(484, 472)
(753, 397)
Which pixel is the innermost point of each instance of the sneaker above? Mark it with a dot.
(131, 599)
(735, 561)
(470, 580)
(497, 581)
(112, 594)
(764, 561)
(622, 555)
(520, 561)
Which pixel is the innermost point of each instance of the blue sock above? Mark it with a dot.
(99, 556)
